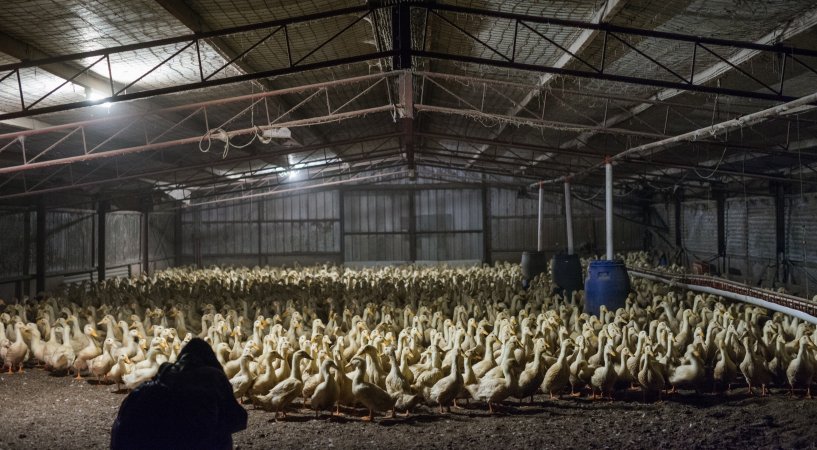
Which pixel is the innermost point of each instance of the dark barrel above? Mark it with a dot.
(567, 272)
(533, 263)
(608, 284)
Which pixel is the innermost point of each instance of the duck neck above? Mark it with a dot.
(358, 375)
(296, 367)
(244, 366)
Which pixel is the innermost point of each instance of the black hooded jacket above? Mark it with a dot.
(188, 404)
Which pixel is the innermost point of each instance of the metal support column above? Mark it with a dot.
(608, 200)
(720, 203)
(23, 287)
(146, 207)
(196, 236)
(540, 235)
(259, 224)
(569, 218)
(101, 212)
(781, 274)
(341, 225)
(401, 35)
(407, 121)
(679, 197)
(177, 237)
(412, 226)
(401, 39)
(486, 225)
(41, 239)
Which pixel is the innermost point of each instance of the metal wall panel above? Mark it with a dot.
(762, 241)
(12, 226)
(449, 224)
(514, 225)
(301, 224)
(161, 240)
(801, 228)
(449, 246)
(70, 240)
(123, 241)
(735, 226)
(376, 212)
(700, 227)
(666, 214)
(448, 210)
(377, 247)
(376, 225)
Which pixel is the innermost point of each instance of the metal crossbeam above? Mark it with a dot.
(189, 41)
(588, 30)
(233, 161)
(108, 129)
(782, 33)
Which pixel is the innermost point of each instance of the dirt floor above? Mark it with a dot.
(38, 410)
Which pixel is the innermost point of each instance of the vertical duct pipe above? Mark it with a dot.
(569, 217)
(608, 197)
(540, 246)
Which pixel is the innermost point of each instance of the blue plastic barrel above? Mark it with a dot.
(567, 272)
(607, 284)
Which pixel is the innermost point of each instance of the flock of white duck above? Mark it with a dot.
(390, 339)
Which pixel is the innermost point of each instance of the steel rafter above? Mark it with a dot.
(359, 13)
(120, 93)
(611, 33)
(107, 130)
(185, 167)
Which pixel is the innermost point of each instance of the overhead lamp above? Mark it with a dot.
(294, 175)
(91, 94)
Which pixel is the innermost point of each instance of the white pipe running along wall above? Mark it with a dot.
(726, 294)
(608, 197)
(540, 238)
(569, 218)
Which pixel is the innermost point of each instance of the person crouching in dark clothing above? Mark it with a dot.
(188, 404)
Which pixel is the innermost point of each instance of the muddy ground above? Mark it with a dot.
(38, 410)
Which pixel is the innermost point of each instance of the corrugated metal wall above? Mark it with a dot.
(750, 237)
(801, 248)
(699, 228)
(161, 240)
(449, 224)
(307, 223)
(71, 245)
(514, 222)
(376, 226)
(302, 227)
(123, 240)
(70, 241)
(12, 227)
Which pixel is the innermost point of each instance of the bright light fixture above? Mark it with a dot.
(91, 94)
(295, 175)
